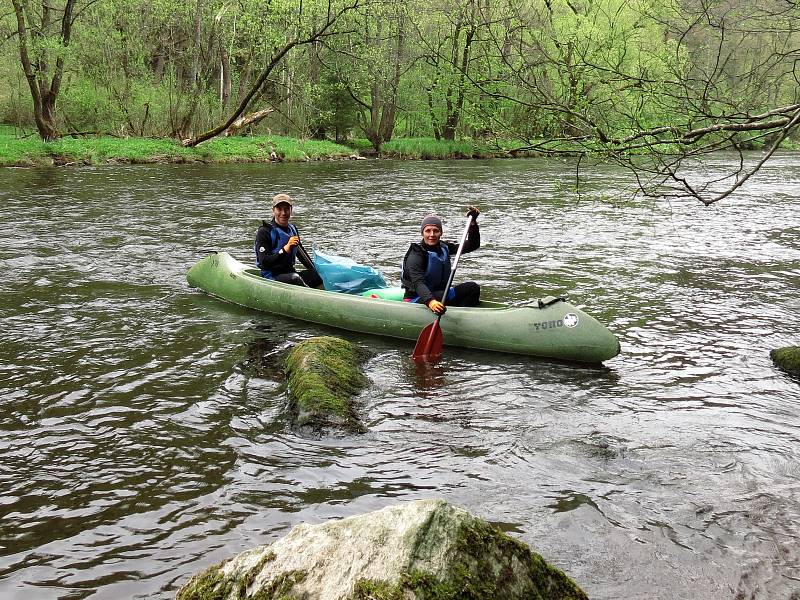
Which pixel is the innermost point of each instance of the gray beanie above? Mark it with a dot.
(431, 220)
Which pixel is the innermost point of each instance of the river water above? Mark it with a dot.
(143, 428)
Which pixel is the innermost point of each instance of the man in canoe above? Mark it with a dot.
(426, 267)
(277, 247)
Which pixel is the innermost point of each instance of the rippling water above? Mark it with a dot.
(143, 428)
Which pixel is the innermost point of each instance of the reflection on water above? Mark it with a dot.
(570, 500)
(144, 431)
(428, 376)
(263, 353)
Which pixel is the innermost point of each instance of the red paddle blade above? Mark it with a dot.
(429, 344)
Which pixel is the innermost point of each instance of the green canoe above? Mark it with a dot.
(549, 327)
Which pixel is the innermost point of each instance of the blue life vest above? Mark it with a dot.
(279, 238)
(438, 272)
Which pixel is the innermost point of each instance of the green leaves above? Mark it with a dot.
(561, 74)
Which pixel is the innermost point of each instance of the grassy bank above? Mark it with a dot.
(24, 148)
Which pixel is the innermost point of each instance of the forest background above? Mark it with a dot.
(644, 83)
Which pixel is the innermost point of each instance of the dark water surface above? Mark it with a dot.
(143, 434)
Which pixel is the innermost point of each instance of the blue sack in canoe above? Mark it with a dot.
(342, 274)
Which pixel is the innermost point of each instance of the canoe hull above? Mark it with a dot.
(558, 330)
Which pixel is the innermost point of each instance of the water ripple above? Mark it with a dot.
(145, 433)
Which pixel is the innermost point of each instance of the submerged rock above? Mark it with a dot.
(423, 550)
(788, 359)
(324, 375)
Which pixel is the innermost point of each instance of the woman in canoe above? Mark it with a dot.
(277, 245)
(426, 267)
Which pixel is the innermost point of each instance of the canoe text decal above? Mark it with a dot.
(570, 320)
(547, 325)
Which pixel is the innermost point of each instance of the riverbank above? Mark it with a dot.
(25, 149)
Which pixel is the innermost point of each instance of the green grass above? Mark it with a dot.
(431, 149)
(360, 144)
(26, 149)
(258, 148)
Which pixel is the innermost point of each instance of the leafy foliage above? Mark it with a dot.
(613, 78)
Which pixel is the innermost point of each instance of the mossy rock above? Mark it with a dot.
(220, 582)
(486, 564)
(422, 550)
(787, 359)
(324, 375)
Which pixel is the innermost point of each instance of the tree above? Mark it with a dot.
(654, 86)
(203, 61)
(447, 39)
(302, 31)
(43, 37)
(651, 85)
(737, 91)
(369, 60)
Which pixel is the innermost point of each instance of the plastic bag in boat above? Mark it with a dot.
(342, 274)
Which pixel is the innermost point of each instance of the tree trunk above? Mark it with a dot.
(194, 70)
(43, 83)
(437, 130)
(383, 107)
(202, 80)
(246, 120)
(158, 64)
(317, 126)
(45, 116)
(461, 63)
(225, 78)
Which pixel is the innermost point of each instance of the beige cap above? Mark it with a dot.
(282, 199)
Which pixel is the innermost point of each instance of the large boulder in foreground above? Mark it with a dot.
(324, 374)
(787, 359)
(423, 550)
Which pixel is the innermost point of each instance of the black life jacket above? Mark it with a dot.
(278, 238)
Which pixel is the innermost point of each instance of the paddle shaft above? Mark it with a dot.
(301, 248)
(455, 262)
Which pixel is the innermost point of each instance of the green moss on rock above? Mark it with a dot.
(250, 576)
(211, 584)
(214, 584)
(512, 570)
(324, 374)
(368, 589)
(788, 359)
(546, 581)
(280, 587)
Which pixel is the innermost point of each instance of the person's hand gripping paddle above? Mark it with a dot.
(430, 340)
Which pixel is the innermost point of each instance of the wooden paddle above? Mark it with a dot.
(430, 340)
